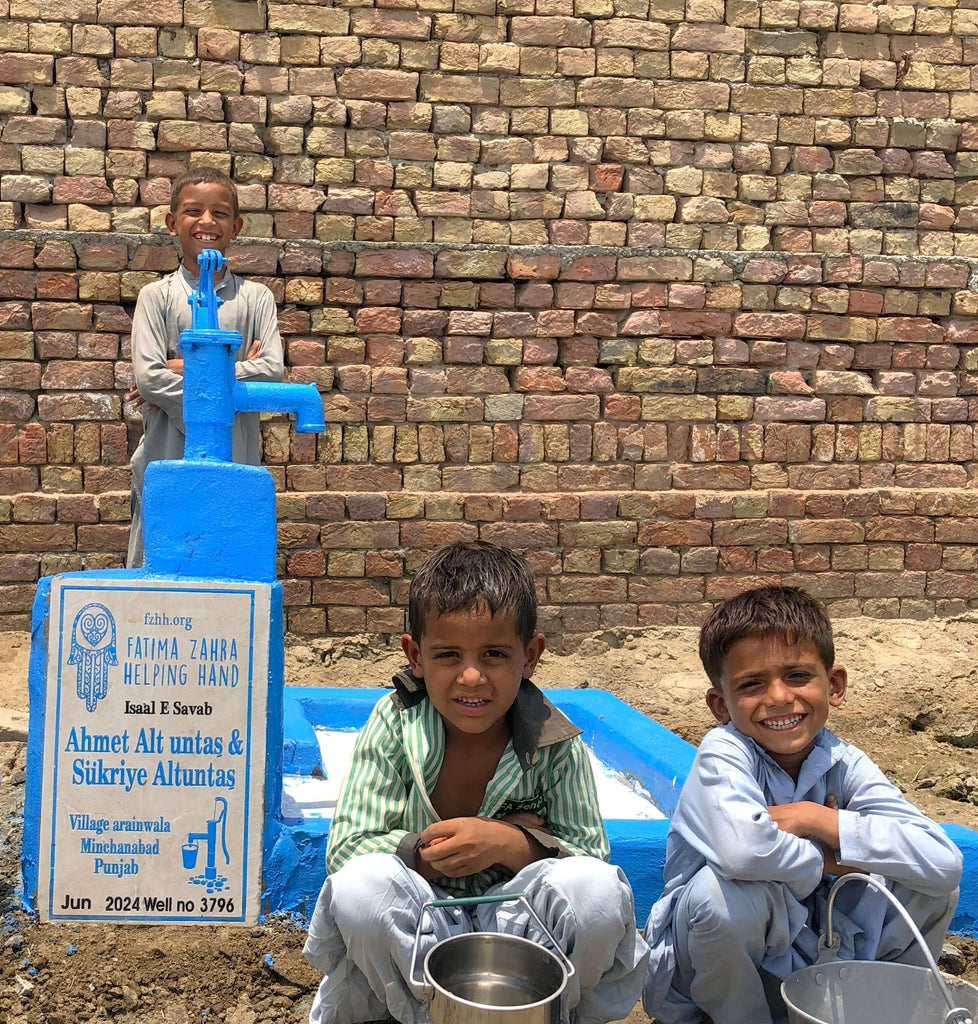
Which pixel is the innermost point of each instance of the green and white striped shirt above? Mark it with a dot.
(385, 803)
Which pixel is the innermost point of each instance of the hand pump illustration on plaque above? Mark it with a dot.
(191, 848)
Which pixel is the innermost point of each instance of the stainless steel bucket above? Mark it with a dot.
(873, 992)
(489, 978)
(864, 992)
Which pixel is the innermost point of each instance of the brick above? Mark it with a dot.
(378, 84)
(180, 136)
(79, 406)
(166, 12)
(718, 477)
(60, 375)
(561, 407)
(529, 93)
(104, 537)
(595, 478)
(753, 532)
(425, 536)
(674, 409)
(215, 15)
(20, 376)
(551, 31)
(362, 593)
(758, 99)
(789, 408)
(470, 264)
(401, 264)
(615, 92)
(26, 538)
(300, 18)
(899, 528)
(522, 536)
(569, 589)
(692, 96)
(31, 445)
(38, 131)
(478, 89)
(770, 325)
(631, 33)
(390, 24)
(826, 531)
(673, 534)
(18, 568)
(26, 69)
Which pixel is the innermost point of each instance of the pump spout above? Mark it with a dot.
(302, 400)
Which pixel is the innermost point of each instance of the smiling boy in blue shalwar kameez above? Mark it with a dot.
(774, 807)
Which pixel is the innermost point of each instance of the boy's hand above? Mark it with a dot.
(832, 866)
(176, 365)
(820, 822)
(465, 846)
(253, 349)
(808, 820)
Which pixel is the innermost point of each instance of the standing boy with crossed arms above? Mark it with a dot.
(203, 215)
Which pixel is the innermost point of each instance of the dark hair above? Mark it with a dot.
(203, 176)
(766, 611)
(472, 574)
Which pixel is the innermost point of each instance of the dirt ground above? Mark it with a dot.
(912, 705)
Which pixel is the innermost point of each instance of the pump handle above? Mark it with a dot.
(204, 301)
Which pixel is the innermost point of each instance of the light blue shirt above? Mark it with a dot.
(722, 820)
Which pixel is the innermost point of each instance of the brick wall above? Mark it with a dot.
(674, 294)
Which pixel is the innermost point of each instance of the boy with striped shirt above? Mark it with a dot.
(467, 781)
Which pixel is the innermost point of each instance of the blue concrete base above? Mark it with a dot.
(295, 863)
(222, 522)
(617, 733)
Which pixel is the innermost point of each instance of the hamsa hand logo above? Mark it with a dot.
(93, 650)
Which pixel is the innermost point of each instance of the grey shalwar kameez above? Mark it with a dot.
(744, 901)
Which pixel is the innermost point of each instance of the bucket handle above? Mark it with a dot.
(955, 1014)
(471, 901)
